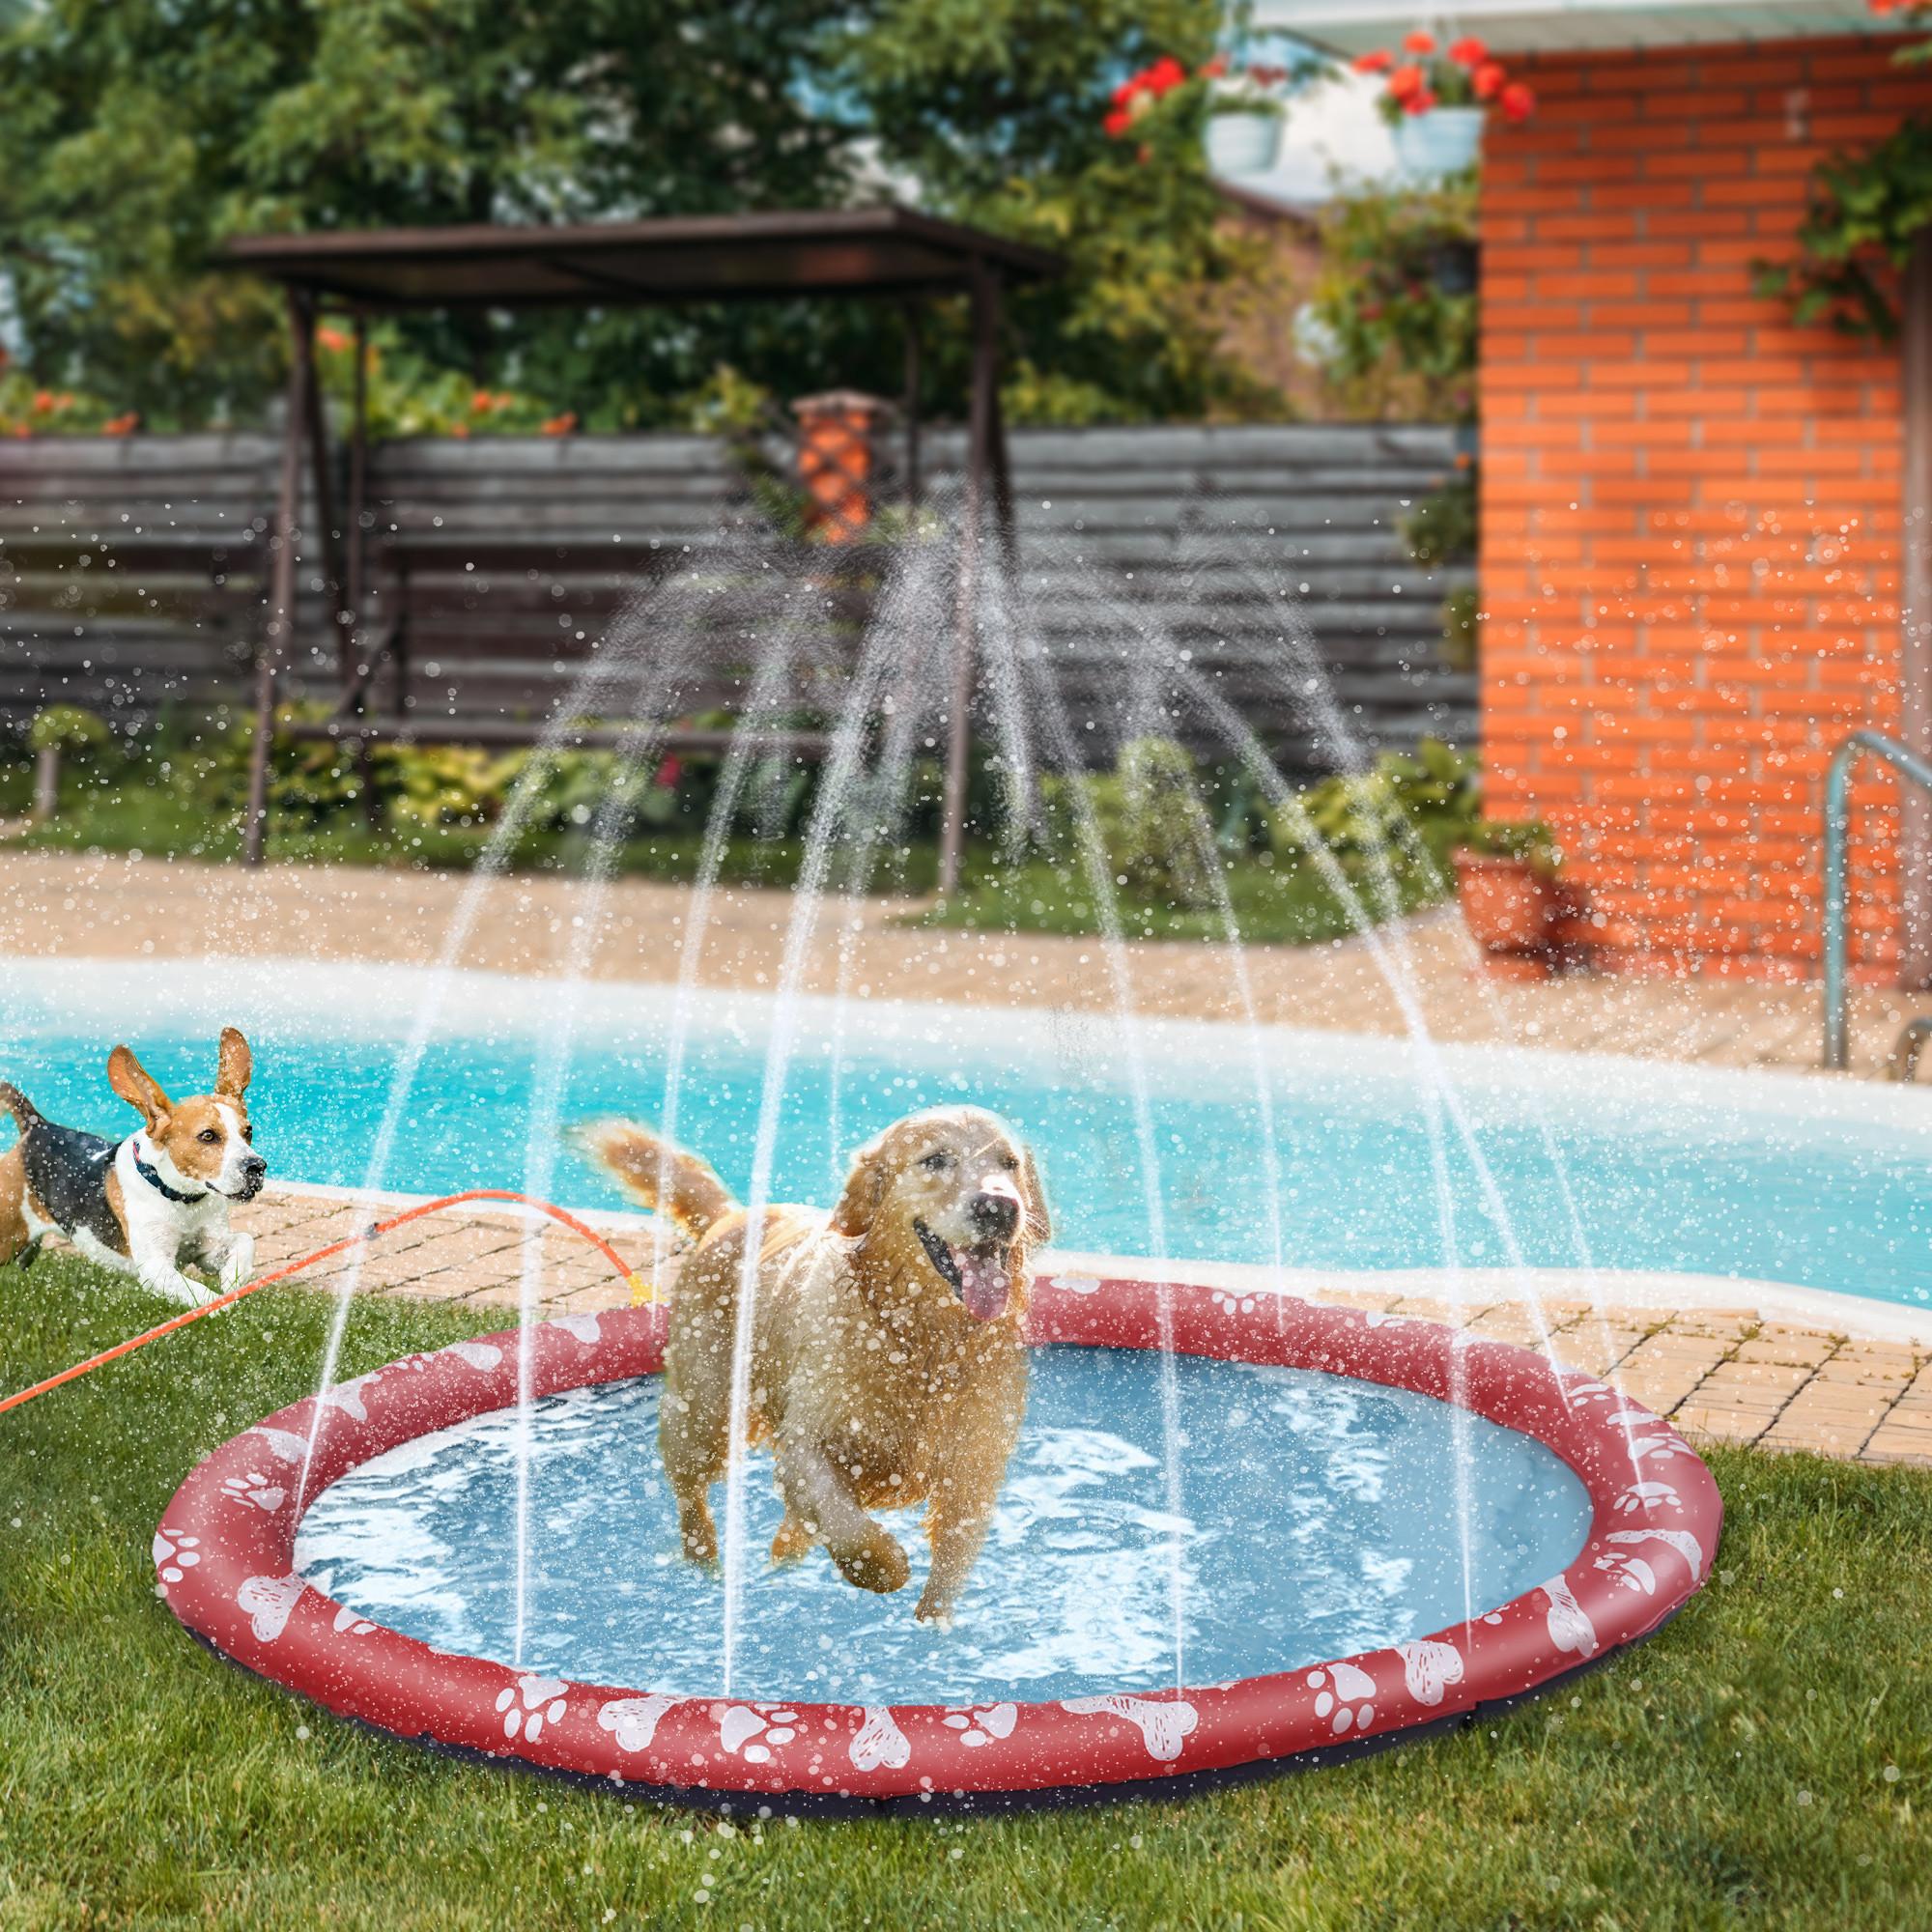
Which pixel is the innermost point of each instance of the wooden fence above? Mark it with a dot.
(131, 571)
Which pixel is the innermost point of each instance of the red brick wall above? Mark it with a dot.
(1689, 508)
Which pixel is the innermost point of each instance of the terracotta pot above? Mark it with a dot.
(1507, 905)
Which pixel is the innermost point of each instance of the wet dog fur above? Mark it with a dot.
(889, 1363)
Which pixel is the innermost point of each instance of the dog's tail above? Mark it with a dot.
(26, 1115)
(657, 1174)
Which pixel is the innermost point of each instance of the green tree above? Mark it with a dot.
(134, 138)
(997, 107)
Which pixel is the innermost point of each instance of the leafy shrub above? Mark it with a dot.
(444, 784)
(1408, 812)
(1403, 337)
(1441, 528)
(1162, 841)
(1149, 820)
(68, 729)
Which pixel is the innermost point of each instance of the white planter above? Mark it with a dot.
(1243, 144)
(1444, 141)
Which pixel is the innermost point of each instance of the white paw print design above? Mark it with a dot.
(750, 1730)
(269, 1602)
(1343, 1691)
(1229, 1303)
(254, 1487)
(1164, 1723)
(581, 1328)
(1687, 1546)
(530, 1704)
(348, 1396)
(878, 1740)
(1428, 1668)
(1658, 1448)
(283, 1444)
(981, 1724)
(1648, 1496)
(348, 1622)
(1586, 1391)
(1629, 1572)
(1569, 1624)
(634, 1721)
(175, 1555)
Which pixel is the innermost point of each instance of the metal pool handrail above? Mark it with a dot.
(1908, 764)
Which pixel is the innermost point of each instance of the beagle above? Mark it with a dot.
(141, 1204)
(888, 1353)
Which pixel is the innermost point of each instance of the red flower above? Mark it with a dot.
(479, 402)
(1517, 103)
(1378, 61)
(459, 429)
(668, 773)
(561, 425)
(1486, 83)
(1145, 156)
(1118, 122)
(1419, 103)
(1126, 91)
(1418, 43)
(1407, 80)
(44, 402)
(1468, 51)
(1165, 76)
(1216, 68)
(122, 425)
(332, 338)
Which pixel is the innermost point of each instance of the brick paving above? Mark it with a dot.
(115, 906)
(1722, 1375)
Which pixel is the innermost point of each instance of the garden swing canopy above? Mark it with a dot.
(884, 253)
(864, 251)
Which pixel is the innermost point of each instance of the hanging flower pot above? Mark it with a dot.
(1243, 141)
(1436, 100)
(1444, 141)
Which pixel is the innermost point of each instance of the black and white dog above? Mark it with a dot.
(144, 1205)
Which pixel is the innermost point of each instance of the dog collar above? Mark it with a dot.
(154, 1181)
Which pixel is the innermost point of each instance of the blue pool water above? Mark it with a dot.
(1316, 1524)
(1775, 1179)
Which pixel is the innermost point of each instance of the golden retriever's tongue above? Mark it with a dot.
(983, 1282)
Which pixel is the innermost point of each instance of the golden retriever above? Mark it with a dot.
(888, 1362)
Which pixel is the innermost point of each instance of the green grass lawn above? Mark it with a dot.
(1763, 1763)
(1274, 905)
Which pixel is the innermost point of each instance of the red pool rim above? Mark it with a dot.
(224, 1555)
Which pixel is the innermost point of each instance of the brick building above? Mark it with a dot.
(1694, 515)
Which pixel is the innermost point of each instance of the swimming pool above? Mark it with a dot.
(1781, 1179)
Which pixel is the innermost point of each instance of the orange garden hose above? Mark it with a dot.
(639, 1291)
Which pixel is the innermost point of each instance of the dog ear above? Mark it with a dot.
(1038, 1222)
(139, 1087)
(234, 1065)
(864, 1189)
